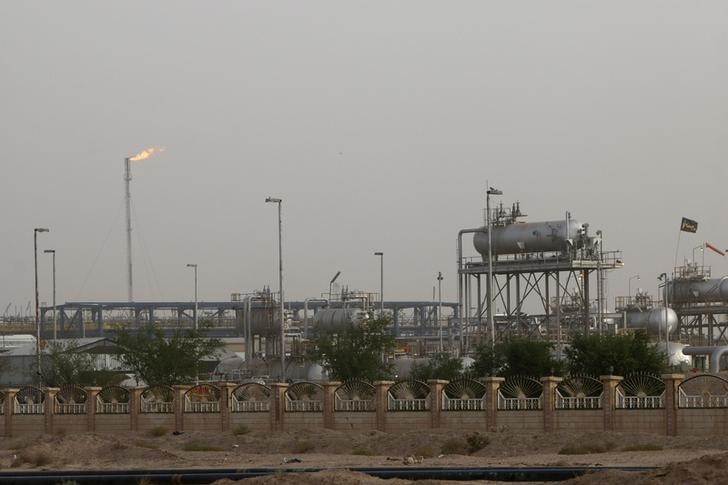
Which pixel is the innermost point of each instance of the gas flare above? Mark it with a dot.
(146, 153)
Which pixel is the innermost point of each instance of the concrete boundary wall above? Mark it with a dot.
(180, 415)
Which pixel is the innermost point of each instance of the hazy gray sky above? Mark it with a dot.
(378, 123)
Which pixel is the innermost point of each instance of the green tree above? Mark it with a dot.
(356, 351)
(517, 356)
(164, 360)
(62, 365)
(440, 366)
(614, 354)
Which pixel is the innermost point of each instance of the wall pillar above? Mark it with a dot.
(492, 385)
(672, 382)
(609, 400)
(50, 408)
(548, 402)
(9, 409)
(135, 407)
(436, 389)
(381, 402)
(278, 406)
(179, 407)
(91, 396)
(329, 403)
(226, 395)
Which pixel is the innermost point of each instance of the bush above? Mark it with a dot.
(146, 444)
(199, 445)
(362, 451)
(424, 451)
(158, 431)
(240, 429)
(35, 458)
(586, 449)
(303, 446)
(645, 447)
(476, 442)
(454, 446)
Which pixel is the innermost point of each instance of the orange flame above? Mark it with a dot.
(146, 153)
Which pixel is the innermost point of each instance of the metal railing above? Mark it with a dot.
(518, 403)
(70, 408)
(303, 406)
(450, 404)
(157, 407)
(32, 408)
(707, 401)
(586, 402)
(201, 406)
(353, 404)
(111, 407)
(250, 406)
(639, 402)
(409, 404)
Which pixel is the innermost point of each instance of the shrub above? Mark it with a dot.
(240, 429)
(35, 458)
(362, 451)
(476, 442)
(586, 449)
(424, 451)
(199, 445)
(454, 446)
(303, 446)
(146, 444)
(645, 447)
(158, 431)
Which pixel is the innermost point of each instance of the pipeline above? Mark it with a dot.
(209, 475)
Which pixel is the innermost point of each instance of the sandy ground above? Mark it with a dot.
(682, 459)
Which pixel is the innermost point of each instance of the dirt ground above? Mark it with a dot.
(682, 459)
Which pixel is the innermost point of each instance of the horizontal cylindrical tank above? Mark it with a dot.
(654, 321)
(528, 237)
(263, 321)
(333, 318)
(705, 291)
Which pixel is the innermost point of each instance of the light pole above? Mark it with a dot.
(280, 284)
(37, 307)
(491, 322)
(331, 283)
(381, 282)
(663, 278)
(439, 306)
(194, 266)
(53, 253)
(629, 284)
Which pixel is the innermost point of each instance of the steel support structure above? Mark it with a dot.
(541, 296)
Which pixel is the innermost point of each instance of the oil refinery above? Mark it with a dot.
(540, 280)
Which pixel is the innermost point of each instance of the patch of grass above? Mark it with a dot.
(158, 431)
(586, 449)
(200, 445)
(645, 447)
(146, 444)
(303, 446)
(454, 446)
(476, 442)
(240, 429)
(424, 451)
(361, 451)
